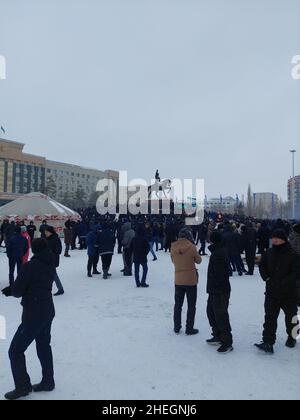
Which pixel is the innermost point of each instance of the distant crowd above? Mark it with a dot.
(272, 245)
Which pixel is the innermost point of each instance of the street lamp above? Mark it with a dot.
(293, 152)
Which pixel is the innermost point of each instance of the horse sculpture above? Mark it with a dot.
(158, 187)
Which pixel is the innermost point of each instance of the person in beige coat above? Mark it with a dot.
(185, 256)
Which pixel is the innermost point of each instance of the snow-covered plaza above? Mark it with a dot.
(114, 341)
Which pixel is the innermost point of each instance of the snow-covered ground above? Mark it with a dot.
(114, 341)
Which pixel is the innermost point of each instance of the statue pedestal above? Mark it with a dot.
(160, 206)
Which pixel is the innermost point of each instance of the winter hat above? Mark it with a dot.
(23, 229)
(185, 233)
(50, 229)
(296, 228)
(216, 238)
(280, 234)
(39, 245)
(17, 230)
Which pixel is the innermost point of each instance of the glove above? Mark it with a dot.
(7, 291)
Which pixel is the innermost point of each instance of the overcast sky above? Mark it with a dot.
(196, 88)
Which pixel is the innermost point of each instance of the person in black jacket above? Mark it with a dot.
(31, 229)
(106, 242)
(34, 286)
(171, 236)
(249, 245)
(42, 229)
(3, 230)
(263, 237)
(17, 247)
(140, 248)
(55, 246)
(232, 242)
(279, 268)
(202, 237)
(219, 290)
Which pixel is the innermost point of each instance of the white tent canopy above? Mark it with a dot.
(37, 207)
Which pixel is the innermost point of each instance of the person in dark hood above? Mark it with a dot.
(219, 289)
(185, 256)
(55, 246)
(279, 268)
(34, 286)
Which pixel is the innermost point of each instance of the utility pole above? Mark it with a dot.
(293, 152)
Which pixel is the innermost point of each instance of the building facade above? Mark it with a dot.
(266, 204)
(71, 178)
(222, 204)
(22, 173)
(294, 196)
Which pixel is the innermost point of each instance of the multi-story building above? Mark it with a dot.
(22, 173)
(266, 204)
(294, 195)
(70, 178)
(221, 204)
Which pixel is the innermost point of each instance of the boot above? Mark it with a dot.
(291, 343)
(105, 274)
(127, 274)
(17, 394)
(145, 285)
(225, 348)
(96, 272)
(192, 332)
(267, 348)
(90, 275)
(43, 387)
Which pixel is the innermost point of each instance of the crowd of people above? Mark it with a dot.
(273, 245)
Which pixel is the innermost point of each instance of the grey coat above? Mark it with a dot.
(128, 235)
